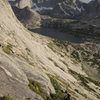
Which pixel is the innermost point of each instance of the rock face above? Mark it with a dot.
(68, 8)
(59, 8)
(13, 81)
(92, 10)
(62, 8)
(55, 8)
(14, 75)
(24, 3)
(28, 17)
(25, 55)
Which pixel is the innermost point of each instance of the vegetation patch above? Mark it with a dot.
(62, 44)
(7, 49)
(27, 59)
(60, 95)
(94, 81)
(95, 62)
(51, 46)
(55, 83)
(35, 86)
(84, 80)
(75, 55)
(6, 98)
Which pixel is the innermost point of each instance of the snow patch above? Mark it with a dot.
(77, 8)
(36, 8)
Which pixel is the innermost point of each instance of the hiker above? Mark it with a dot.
(68, 96)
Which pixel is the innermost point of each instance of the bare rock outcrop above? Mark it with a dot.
(28, 17)
(13, 79)
(25, 3)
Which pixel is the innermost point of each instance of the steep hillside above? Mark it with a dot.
(35, 67)
(15, 71)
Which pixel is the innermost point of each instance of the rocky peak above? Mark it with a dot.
(22, 3)
(58, 8)
(95, 1)
(68, 8)
(55, 8)
(92, 10)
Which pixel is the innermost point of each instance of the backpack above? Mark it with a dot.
(69, 95)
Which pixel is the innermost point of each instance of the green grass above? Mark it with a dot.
(55, 83)
(7, 49)
(6, 98)
(35, 86)
(59, 94)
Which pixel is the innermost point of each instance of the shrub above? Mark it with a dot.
(34, 86)
(7, 49)
(51, 46)
(6, 98)
(62, 44)
(55, 83)
(59, 94)
(75, 55)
